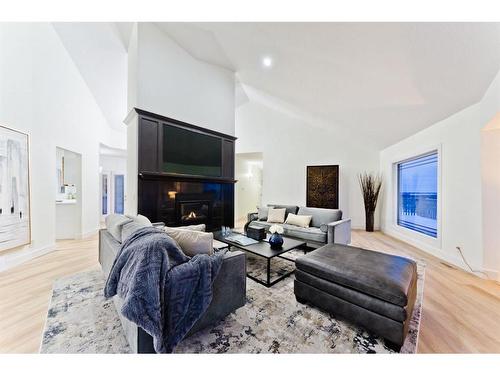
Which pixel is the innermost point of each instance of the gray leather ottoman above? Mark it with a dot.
(372, 289)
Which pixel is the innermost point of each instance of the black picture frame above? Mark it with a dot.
(322, 183)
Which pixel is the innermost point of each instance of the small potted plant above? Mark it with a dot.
(276, 239)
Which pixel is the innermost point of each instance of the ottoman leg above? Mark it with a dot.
(300, 300)
(393, 346)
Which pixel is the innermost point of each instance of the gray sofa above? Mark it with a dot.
(229, 292)
(327, 225)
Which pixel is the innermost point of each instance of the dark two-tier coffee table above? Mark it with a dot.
(263, 249)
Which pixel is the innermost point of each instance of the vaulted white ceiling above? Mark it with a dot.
(384, 81)
(99, 51)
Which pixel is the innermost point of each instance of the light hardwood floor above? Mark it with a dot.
(461, 312)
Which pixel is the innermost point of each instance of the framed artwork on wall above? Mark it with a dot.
(15, 215)
(322, 186)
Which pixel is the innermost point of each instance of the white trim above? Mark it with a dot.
(453, 259)
(90, 233)
(108, 187)
(425, 242)
(8, 261)
(492, 274)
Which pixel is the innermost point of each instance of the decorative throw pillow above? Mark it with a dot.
(129, 228)
(140, 219)
(276, 215)
(197, 228)
(262, 213)
(299, 220)
(192, 242)
(115, 223)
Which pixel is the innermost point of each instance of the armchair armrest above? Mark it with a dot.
(159, 224)
(252, 216)
(339, 232)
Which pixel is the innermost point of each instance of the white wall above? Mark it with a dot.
(43, 94)
(164, 79)
(170, 82)
(490, 172)
(115, 164)
(290, 143)
(459, 137)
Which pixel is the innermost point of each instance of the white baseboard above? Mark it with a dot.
(492, 274)
(16, 258)
(89, 233)
(453, 259)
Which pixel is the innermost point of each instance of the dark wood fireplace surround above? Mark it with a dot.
(182, 199)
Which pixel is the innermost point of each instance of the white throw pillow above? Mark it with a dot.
(192, 242)
(276, 215)
(299, 220)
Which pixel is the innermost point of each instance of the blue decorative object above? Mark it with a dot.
(276, 241)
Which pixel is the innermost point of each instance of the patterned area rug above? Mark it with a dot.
(80, 320)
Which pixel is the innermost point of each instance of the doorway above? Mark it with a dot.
(248, 192)
(68, 194)
(112, 173)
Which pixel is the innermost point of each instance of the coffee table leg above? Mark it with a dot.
(268, 271)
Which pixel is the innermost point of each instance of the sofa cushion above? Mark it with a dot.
(302, 221)
(289, 209)
(114, 225)
(321, 215)
(387, 277)
(192, 242)
(306, 234)
(276, 215)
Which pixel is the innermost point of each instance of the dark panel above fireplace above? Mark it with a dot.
(192, 182)
(174, 148)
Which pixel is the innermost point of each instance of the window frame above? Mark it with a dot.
(406, 232)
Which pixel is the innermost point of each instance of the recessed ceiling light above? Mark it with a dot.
(267, 61)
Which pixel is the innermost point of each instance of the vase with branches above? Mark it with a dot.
(370, 184)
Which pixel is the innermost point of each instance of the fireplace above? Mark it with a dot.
(193, 209)
(179, 202)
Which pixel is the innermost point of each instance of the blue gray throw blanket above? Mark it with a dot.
(164, 291)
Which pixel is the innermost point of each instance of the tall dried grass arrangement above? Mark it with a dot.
(370, 184)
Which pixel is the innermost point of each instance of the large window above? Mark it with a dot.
(418, 194)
